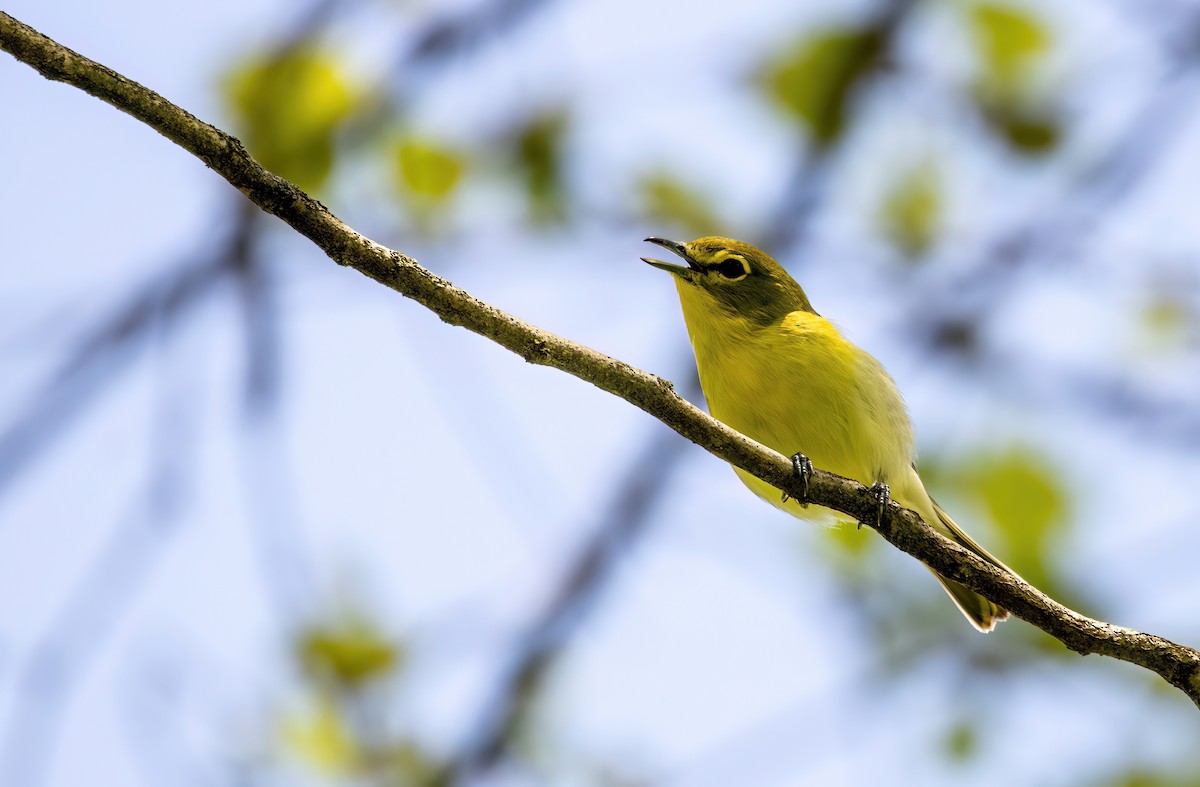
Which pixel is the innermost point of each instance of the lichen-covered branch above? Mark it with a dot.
(225, 155)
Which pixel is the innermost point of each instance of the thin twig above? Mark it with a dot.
(628, 518)
(54, 407)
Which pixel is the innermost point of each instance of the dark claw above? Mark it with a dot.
(883, 495)
(802, 468)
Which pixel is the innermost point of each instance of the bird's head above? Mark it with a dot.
(728, 278)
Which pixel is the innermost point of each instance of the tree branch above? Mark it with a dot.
(1177, 664)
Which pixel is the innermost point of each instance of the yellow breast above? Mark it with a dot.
(800, 386)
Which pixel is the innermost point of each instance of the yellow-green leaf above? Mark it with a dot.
(1027, 129)
(1020, 492)
(1028, 503)
(1025, 498)
(1166, 315)
(1012, 42)
(851, 552)
(1010, 39)
(814, 78)
(288, 111)
(538, 154)
(1182, 775)
(318, 736)
(427, 170)
(347, 653)
(912, 210)
(404, 763)
(1169, 321)
(848, 537)
(962, 740)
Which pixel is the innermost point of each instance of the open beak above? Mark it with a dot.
(675, 247)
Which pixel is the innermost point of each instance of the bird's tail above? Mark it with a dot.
(983, 614)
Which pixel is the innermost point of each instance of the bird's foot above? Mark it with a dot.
(802, 468)
(883, 496)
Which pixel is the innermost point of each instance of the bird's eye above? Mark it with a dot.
(733, 268)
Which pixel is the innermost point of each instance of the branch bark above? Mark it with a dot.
(1177, 664)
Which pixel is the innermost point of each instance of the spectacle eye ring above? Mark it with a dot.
(733, 268)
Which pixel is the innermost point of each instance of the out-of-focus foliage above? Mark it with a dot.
(1010, 41)
(668, 201)
(848, 538)
(427, 171)
(1151, 777)
(1168, 320)
(1023, 498)
(1026, 502)
(1169, 317)
(537, 152)
(318, 737)
(962, 740)
(1022, 495)
(347, 666)
(347, 652)
(813, 79)
(289, 109)
(1029, 129)
(911, 213)
(1013, 45)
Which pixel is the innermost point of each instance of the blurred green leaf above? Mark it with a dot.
(1169, 321)
(1027, 129)
(1141, 776)
(427, 171)
(1020, 491)
(849, 539)
(912, 210)
(1010, 40)
(347, 653)
(667, 200)
(852, 554)
(1166, 315)
(288, 111)
(1012, 43)
(1026, 500)
(319, 737)
(538, 154)
(962, 740)
(814, 78)
(404, 763)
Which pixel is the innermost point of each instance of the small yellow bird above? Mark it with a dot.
(778, 372)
